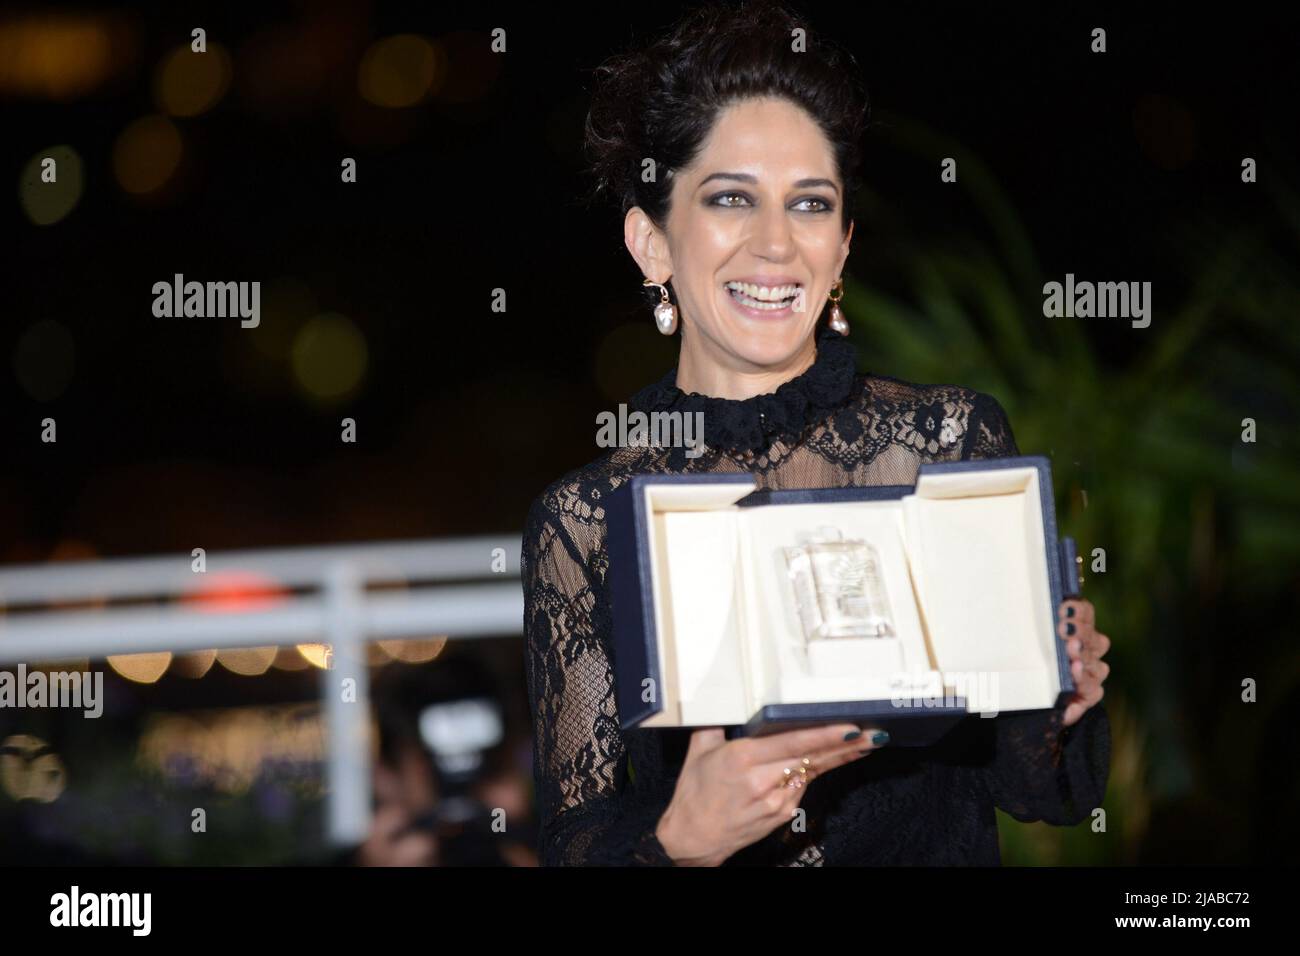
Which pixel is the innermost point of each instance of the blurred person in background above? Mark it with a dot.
(447, 792)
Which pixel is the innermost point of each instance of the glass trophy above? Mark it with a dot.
(838, 588)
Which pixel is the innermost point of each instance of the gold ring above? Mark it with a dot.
(792, 781)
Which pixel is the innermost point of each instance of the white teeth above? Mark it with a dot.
(761, 296)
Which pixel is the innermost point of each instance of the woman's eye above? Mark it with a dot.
(821, 204)
(737, 200)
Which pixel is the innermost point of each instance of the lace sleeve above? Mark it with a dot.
(1039, 771)
(589, 814)
(988, 432)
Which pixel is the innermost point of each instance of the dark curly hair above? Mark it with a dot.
(660, 102)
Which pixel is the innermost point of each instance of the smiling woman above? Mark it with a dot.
(752, 238)
(757, 125)
(752, 124)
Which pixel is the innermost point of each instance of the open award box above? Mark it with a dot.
(899, 607)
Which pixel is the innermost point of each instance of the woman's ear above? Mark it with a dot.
(649, 246)
(844, 248)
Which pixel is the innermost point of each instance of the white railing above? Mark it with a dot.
(461, 588)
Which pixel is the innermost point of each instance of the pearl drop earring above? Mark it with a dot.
(665, 311)
(837, 322)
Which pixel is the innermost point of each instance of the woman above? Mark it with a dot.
(741, 224)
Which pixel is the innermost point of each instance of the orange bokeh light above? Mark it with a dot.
(236, 592)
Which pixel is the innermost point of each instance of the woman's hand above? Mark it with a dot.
(1085, 645)
(730, 793)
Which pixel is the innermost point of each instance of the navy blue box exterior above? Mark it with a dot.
(635, 655)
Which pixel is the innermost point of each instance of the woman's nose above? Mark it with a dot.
(772, 238)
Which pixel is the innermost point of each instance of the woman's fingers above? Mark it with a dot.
(1088, 689)
(1075, 634)
(794, 744)
(1074, 625)
(1078, 610)
(1074, 710)
(731, 793)
(762, 763)
(1086, 670)
(819, 762)
(704, 740)
(1097, 670)
(1082, 675)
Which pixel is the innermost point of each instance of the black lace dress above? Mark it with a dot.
(601, 791)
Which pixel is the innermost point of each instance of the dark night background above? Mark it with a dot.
(176, 433)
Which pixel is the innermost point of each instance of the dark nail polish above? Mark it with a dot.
(853, 735)
(880, 738)
(1069, 611)
(1069, 630)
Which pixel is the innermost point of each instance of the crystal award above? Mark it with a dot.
(838, 588)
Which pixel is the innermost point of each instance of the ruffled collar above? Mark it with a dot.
(753, 424)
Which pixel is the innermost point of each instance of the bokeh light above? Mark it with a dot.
(233, 592)
(44, 360)
(246, 661)
(141, 668)
(147, 154)
(329, 357)
(236, 592)
(288, 659)
(289, 68)
(47, 203)
(73, 549)
(59, 57)
(414, 652)
(188, 83)
(317, 655)
(194, 664)
(399, 71)
(230, 749)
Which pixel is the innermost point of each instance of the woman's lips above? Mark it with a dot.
(784, 312)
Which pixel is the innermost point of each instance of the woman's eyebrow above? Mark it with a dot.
(753, 180)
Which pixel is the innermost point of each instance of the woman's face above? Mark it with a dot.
(760, 206)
